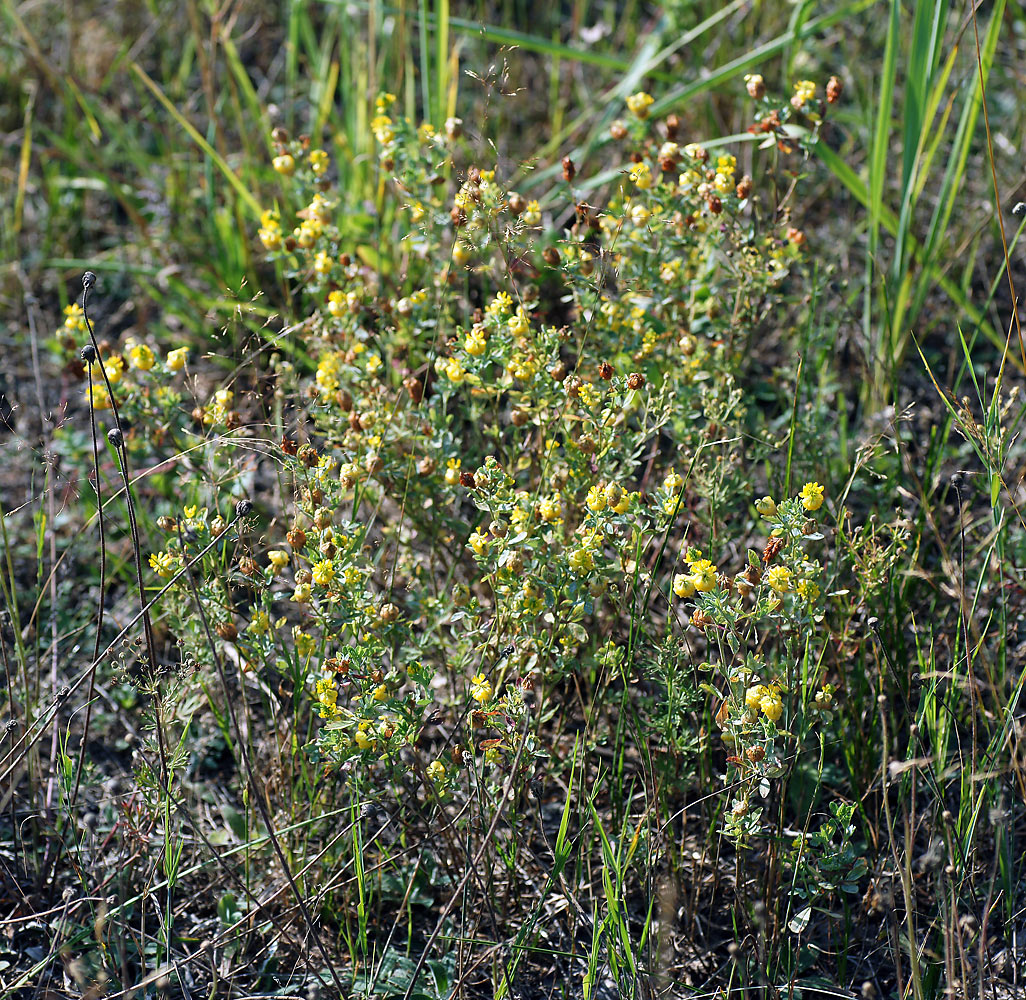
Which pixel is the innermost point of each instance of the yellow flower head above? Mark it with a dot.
(481, 689)
(98, 397)
(779, 579)
(772, 706)
(323, 573)
(318, 161)
(436, 770)
(639, 104)
(641, 175)
(703, 575)
(596, 499)
(176, 359)
(812, 496)
(163, 564)
(74, 318)
(140, 356)
(683, 586)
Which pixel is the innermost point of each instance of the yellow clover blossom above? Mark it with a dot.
(596, 499)
(807, 590)
(519, 323)
(452, 472)
(98, 397)
(318, 161)
(640, 215)
(673, 482)
(549, 509)
(323, 573)
(74, 318)
(176, 359)
(641, 175)
(639, 104)
(804, 91)
(779, 579)
(703, 575)
(772, 706)
(305, 644)
(436, 770)
(163, 564)
(114, 366)
(455, 371)
(337, 303)
(381, 126)
(140, 356)
(581, 560)
(532, 214)
(478, 542)
(284, 165)
(683, 585)
(481, 689)
(766, 506)
(812, 496)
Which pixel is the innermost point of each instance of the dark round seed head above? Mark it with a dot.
(88, 279)
(88, 354)
(115, 437)
(243, 508)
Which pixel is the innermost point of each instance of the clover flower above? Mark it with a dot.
(481, 689)
(639, 104)
(812, 496)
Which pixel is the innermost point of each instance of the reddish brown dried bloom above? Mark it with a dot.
(296, 538)
(834, 88)
(635, 380)
(467, 479)
(569, 170)
(414, 387)
(773, 546)
(605, 371)
(551, 256)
